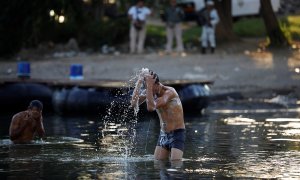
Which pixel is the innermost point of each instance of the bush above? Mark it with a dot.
(250, 27)
(113, 31)
(25, 24)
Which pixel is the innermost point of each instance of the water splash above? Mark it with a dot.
(118, 133)
(139, 75)
(46, 141)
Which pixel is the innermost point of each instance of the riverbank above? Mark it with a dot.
(239, 67)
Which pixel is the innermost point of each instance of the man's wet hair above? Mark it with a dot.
(37, 104)
(155, 76)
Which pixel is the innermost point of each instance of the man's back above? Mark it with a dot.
(23, 127)
(174, 14)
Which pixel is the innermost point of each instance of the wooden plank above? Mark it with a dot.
(101, 83)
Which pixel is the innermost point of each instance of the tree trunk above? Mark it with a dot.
(224, 29)
(98, 7)
(273, 30)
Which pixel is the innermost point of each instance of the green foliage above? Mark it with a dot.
(192, 34)
(250, 27)
(16, 19)
(246, 27)
(156, 36)
(290, 25)
(26, 23)
(153, 30)
(109, 32)
(254, 27)
(285, 30)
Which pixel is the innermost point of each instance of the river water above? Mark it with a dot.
(239, 139)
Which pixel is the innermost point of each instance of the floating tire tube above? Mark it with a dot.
(193, 91)
(18, 96)
(194, 97)
(79, 100)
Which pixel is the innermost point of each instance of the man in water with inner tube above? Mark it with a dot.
(26, 124)
(166, 102)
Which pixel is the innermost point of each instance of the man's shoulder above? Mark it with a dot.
(146, 9)
(20, 114)
(171, 90)
(131, 9)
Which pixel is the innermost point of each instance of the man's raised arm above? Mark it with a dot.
(135, 95)
(40, 128)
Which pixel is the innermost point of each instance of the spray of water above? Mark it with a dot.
(139, 75)
(118, 131)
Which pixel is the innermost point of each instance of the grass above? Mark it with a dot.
(153, 30)
(249, 27)
(245, 27)
(192, 34)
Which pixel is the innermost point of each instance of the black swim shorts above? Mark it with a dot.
(173, 139)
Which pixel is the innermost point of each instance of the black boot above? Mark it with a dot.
(212, 50)
(203, 50)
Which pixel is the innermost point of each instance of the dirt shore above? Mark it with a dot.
(232, 68)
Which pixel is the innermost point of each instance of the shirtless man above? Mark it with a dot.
(166, 102)
(25, 124)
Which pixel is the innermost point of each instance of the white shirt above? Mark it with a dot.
(214, 17)
(140, 13)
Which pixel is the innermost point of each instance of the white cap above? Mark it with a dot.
(211, 3)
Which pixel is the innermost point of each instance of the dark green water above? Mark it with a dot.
(236, 140)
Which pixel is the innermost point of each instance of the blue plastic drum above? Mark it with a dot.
(76, 71)
(23, 69)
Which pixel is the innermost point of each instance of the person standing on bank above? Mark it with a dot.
(211, 19)
(26, 124)
(173, 17)
(138, 15)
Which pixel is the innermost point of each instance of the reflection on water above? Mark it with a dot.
(220, 144)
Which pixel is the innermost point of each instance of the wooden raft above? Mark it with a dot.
(101, 83)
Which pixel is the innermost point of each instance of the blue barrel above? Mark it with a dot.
(23, 69)
(76, 71)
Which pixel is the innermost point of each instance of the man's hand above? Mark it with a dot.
(150, 80)
(35, 115)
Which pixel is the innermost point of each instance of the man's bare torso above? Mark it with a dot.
(31, 125)
(171, 115)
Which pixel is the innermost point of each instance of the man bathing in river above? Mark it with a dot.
(26, 124)
(166, 102)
